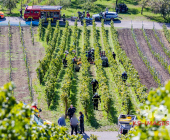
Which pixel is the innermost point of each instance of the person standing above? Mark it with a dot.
(95, 100)
(71, 111)
(74, 124)
(107, 10)
(64, 18)
(81, 118)
(21, 13)
(124, 76)
(114, 55)
(61, 121)
(94, 83)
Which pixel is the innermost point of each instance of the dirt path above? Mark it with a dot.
(19, 73)
(155, 63)
(34, 53)
(156, 45)
(4, 56)
(127, 43)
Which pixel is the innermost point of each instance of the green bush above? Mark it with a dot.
(156, 112)
(16, 122)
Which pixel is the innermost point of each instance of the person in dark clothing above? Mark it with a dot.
(101, 15)
(114, 55)
(117, 10)
(95, 100)
(81, 118)
(71, 111)
(95, 83)
(21, 13)
(64, 18)
(124, 76)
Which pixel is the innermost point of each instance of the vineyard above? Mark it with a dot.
(31, 57)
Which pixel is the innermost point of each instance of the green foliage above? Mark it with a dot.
(166, 32)
(50, 78)
(101, 77)
(48, 33)
(140, 90)
(17, 121)
(85, 79)
(155, 111)
(40, 29)
(45, 63)
(9, 4)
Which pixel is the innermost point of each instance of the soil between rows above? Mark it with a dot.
(4, 56)
(128, 45)
(143, 44)
(156, 45)
(19, 74)
(35, 52)
(163, 39)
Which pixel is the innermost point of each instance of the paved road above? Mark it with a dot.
(102, 135)
(14, 21)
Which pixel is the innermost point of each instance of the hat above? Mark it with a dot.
(96, 93)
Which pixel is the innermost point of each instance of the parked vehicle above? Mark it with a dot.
(46, 13)
(2, 14)
(109, 16)
(122, 8)
(125, 123)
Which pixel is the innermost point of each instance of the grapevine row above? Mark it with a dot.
(157, 55)
(67, 82)
(45, 63)
(9, 35)
(139, 89)
(85, 90)
(122, 88)
(145, 60)
(32, 35)
(26, 62)
(103, 87)
(166, 32)
(54, 68)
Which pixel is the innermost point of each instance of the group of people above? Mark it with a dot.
(74, 122)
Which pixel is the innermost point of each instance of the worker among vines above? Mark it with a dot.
(65, 60)
(95, 100)
(124, 76)
(95, 85)
(64, 18)
(114, 55)
(71, 111)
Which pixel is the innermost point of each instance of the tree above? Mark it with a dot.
(144, 3)
(10, 4)
(161, 6)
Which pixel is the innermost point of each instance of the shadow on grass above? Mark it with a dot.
(74, 90)
(98, 37)
(158, 19)
(55, 102)
(78, 48)
(133, 2)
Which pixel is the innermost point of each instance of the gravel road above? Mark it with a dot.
(14, 21)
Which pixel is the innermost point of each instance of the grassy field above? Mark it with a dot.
(133, 13)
